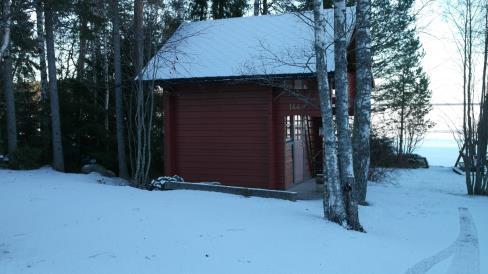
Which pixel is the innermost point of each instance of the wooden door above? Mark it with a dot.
(295, 161)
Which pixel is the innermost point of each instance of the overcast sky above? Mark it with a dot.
(442, 64)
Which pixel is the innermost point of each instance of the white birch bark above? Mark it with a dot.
(342, 115)
(334, 209)
(362, 113)
(58, 160)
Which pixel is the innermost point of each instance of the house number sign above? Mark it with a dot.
(297, 106)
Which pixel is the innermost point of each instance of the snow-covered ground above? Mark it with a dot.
(68, 223)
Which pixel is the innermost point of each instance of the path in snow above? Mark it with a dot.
(465, 250)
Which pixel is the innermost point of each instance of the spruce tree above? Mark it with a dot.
(226, 9)
(199, 10)
(403, 92)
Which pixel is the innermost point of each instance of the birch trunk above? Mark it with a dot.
(58, 161)
(342, 115)
(6, 29)
(334, 209)
(119, 106)
(362, 114)
(8, 90)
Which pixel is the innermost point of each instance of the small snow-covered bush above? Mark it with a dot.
(158, 184)
(380, 174)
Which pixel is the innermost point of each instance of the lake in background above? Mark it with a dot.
(439, 152)
(440, 146)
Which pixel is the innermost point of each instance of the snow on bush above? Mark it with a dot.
(158, 184)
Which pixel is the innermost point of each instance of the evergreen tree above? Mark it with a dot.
(403, 93)
(226, 9)
(199, 10)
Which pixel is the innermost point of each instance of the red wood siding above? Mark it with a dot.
(221, 133)
(233, 133)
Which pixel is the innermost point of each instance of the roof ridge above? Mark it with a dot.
(241, 17)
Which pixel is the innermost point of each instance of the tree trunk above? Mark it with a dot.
(342, 116)
(334, 209)
(138, 176)
(256, 7)
(106, 102)
(80, 65)
(6, 29)
(467, 85)
(43, 71)
(362, 114)
(483, 121)
(402, 123)
(265, 7)
(8, 90)
(119, 106)
(58, 160)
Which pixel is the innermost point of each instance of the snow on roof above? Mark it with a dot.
(245, 46)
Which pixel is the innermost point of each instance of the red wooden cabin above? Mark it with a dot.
(231, 117)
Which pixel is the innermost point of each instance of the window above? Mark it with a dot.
(288, 128)
(297, 127)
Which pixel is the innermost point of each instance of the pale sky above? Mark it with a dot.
(442, 64)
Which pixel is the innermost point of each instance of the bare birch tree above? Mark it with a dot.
(362, 113)
(342, 115)
(471, 20)
(468, 88)
(140, 133)
(119, 111)
(58, 160)
(334, 208)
